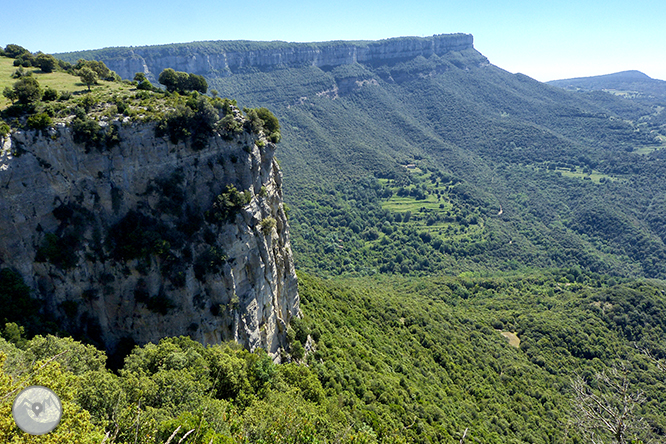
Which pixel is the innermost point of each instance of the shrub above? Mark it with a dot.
(177, 81)
(10, 94)
(4, 129)
(46, 62)
(267, 225)
(27, 90)
(17, 305)
(123, 108)
(21, 73)
(50, 94)
(227, 204)
(137, 236)
(87, 131)
(88, 102)
(270, 124)
(210, 261)
(196, 121)
(176, 124)
(12, 50)
(60, 251)
(39, 121)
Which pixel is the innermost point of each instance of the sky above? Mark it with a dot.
(546, 40)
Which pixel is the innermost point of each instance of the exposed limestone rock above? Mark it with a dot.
(221, 59)
(212, 280)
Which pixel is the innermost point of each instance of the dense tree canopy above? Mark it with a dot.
(177, 81)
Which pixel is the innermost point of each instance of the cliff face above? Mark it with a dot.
(132, 242)
(220, 59)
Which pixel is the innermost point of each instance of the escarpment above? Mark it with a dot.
(148, 238)
(225, 58)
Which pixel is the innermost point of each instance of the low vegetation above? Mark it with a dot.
(87, 93)
(395, 360)
(486, 242)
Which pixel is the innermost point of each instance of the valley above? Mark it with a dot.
(468, 243)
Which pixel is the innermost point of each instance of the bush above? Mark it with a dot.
(137, 236)
(14, 51)
(177, 81)
(267, 225)
(17, 305)
(46, 62)
(87, 131)
(270, 124)
(99, 68)
(228, 204)
(176, 124)
(210, 261)
(196, 121)
(21, 73)
(39, 121)
(27, 90)
(59, 251)
(50, 94)
(4, 129)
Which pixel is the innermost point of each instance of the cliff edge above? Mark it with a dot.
(149, 238)
(225, 58)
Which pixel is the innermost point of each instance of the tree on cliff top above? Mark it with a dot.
(88, 76)
(177, 81)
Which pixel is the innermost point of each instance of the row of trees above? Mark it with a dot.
(24, 58)
(177, 81)
(91, 71)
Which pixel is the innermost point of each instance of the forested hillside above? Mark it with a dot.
(633, 85)
(481, 260)
(522, 173)
(471, 359)
(505, 172)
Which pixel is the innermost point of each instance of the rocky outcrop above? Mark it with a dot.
(216, 59)
(133, 243)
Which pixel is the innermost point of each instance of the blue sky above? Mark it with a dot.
(546, 40)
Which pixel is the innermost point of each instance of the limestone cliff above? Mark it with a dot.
(124, 243)
(218, 59)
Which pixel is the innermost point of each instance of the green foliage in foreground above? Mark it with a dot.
(396, 360)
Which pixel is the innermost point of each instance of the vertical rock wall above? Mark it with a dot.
(124, 243)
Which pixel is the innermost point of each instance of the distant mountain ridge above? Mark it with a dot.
(630, 84)
(508, 171)
(225, 58)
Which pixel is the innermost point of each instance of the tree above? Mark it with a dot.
(102, 71)
(169, 79)
(46, 62)
(142, 82)
(27, 90)
(197, 83)
(88, 76)
(50, 94)
(14, 51)
(608, 414)
(10, 93)
(270, 124)
(177, 81)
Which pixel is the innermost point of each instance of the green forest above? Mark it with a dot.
(480, 259)
(398, 359)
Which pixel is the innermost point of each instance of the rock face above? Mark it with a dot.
(227, 58)
(126, 243)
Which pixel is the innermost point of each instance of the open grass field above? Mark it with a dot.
(435, 213)
(60, 81)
